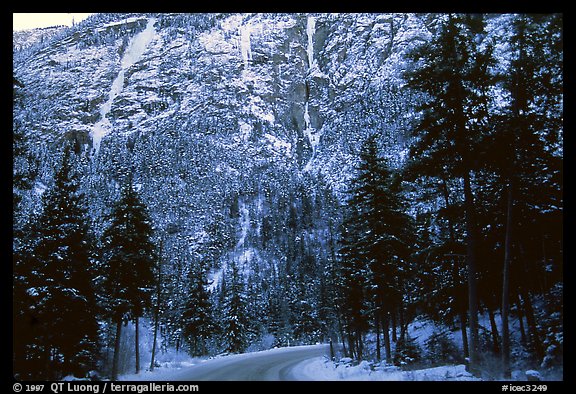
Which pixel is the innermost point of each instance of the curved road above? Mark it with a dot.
(276, 364)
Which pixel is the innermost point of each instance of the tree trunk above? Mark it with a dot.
(377, 318)
(332, 355)
(359, 345)
(462, 146)
(351, 347)
(401, 317)
(529, 311)
(394, 337)
(506, 286)
(532, 329)
(458, 293)
(137, 345)
(156, 313)
(386, 331)
(471, 264)
(114, 374)
(494, 331)
(342, 334)
(157, 309)
(520, 319)
(463, 330)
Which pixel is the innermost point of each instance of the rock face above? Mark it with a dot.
(215, 115)
(292, 76)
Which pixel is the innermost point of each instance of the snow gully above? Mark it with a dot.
(310, 30)
(133, 53)
(308, 129)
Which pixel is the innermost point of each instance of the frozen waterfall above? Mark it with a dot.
(133, 54)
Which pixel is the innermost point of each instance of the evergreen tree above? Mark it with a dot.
(452, 73)
(257, 308)
(22, 265)
(528, 157)
(24, 164)
(234, 305)
(352, 284)
(58, 321)
(377, 242)
(197, 319)
(278, 312)
(130, 256)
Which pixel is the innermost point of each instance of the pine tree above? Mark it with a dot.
(23, 266)
(25, 165)
(24, 171)
(234, 306)
(57, 277)
(452, 73)
(377, 243)
(130, 256)
(197, 320)
(256, 306)
(352, 283)
(278, 312)
(528, 136)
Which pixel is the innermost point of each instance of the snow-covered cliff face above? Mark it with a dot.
(212, 112)
(283, 79)
(25, 38)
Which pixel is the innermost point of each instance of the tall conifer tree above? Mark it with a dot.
(452, 73)
(61, 327)
(130, 257)
(235, 312)
(376, 245)
(197, 319)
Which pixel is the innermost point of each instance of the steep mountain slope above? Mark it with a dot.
(203, 104)
(267, 77)
(239, 131)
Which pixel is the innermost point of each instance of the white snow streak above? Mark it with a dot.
(312, 134)
(133, 53)
(245, 47)
(245, 223)
(310, 30)
(215, 278)
(279, 145)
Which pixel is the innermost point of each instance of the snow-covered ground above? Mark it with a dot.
(321, 369)
(164, 371)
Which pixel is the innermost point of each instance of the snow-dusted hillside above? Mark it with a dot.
(275, 80)
(25, 38)
(200, 103)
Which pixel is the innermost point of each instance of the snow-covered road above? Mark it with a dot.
(304, 363)
(275, 364)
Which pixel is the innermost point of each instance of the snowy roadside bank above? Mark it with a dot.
(321, 369)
